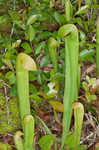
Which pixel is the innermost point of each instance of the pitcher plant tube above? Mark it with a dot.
(78, 115)
(24, 64)
(70, 34)
(29, 132)
(68, 11)
(52, 45)
(28, 142)
(73, 140)
(18, 140)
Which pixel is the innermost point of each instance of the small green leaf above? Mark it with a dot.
(45, 88)
(14, 15)
(31, 33)
(32, 76)
(11, 77)
(32, 89)
(46, 142)
(39, 47)
(3, 19)
(13, 91)
(19, 24)
(82, 10)
(85, 86)
(82, 35)
(44, 35)
(70, 140)
(59, 17)
(78, 20)
(39, 79)
(27, 47)
(58, 106)
(86, 54)
(16, 44)
(45, 61)
(16, 19)
(36, 98)
(1, 62)
(32, 19)
(8, 63)
(57, 77)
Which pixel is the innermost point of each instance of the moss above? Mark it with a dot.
(14, 119)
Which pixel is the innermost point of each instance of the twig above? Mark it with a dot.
(89, 70)
(44, 125)
(90, 135)
(7, 99)
(12, 31)
(90, 119)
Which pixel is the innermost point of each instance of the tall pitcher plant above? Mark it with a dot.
(24, 64)
(70, 34)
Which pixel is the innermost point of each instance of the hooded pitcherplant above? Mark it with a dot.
(73, 140)
(24, 64)
(52, 45)
(68, 11)
(70, 34)
(78, 115)
(28, 142)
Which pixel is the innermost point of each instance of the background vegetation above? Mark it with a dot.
(28, 26)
